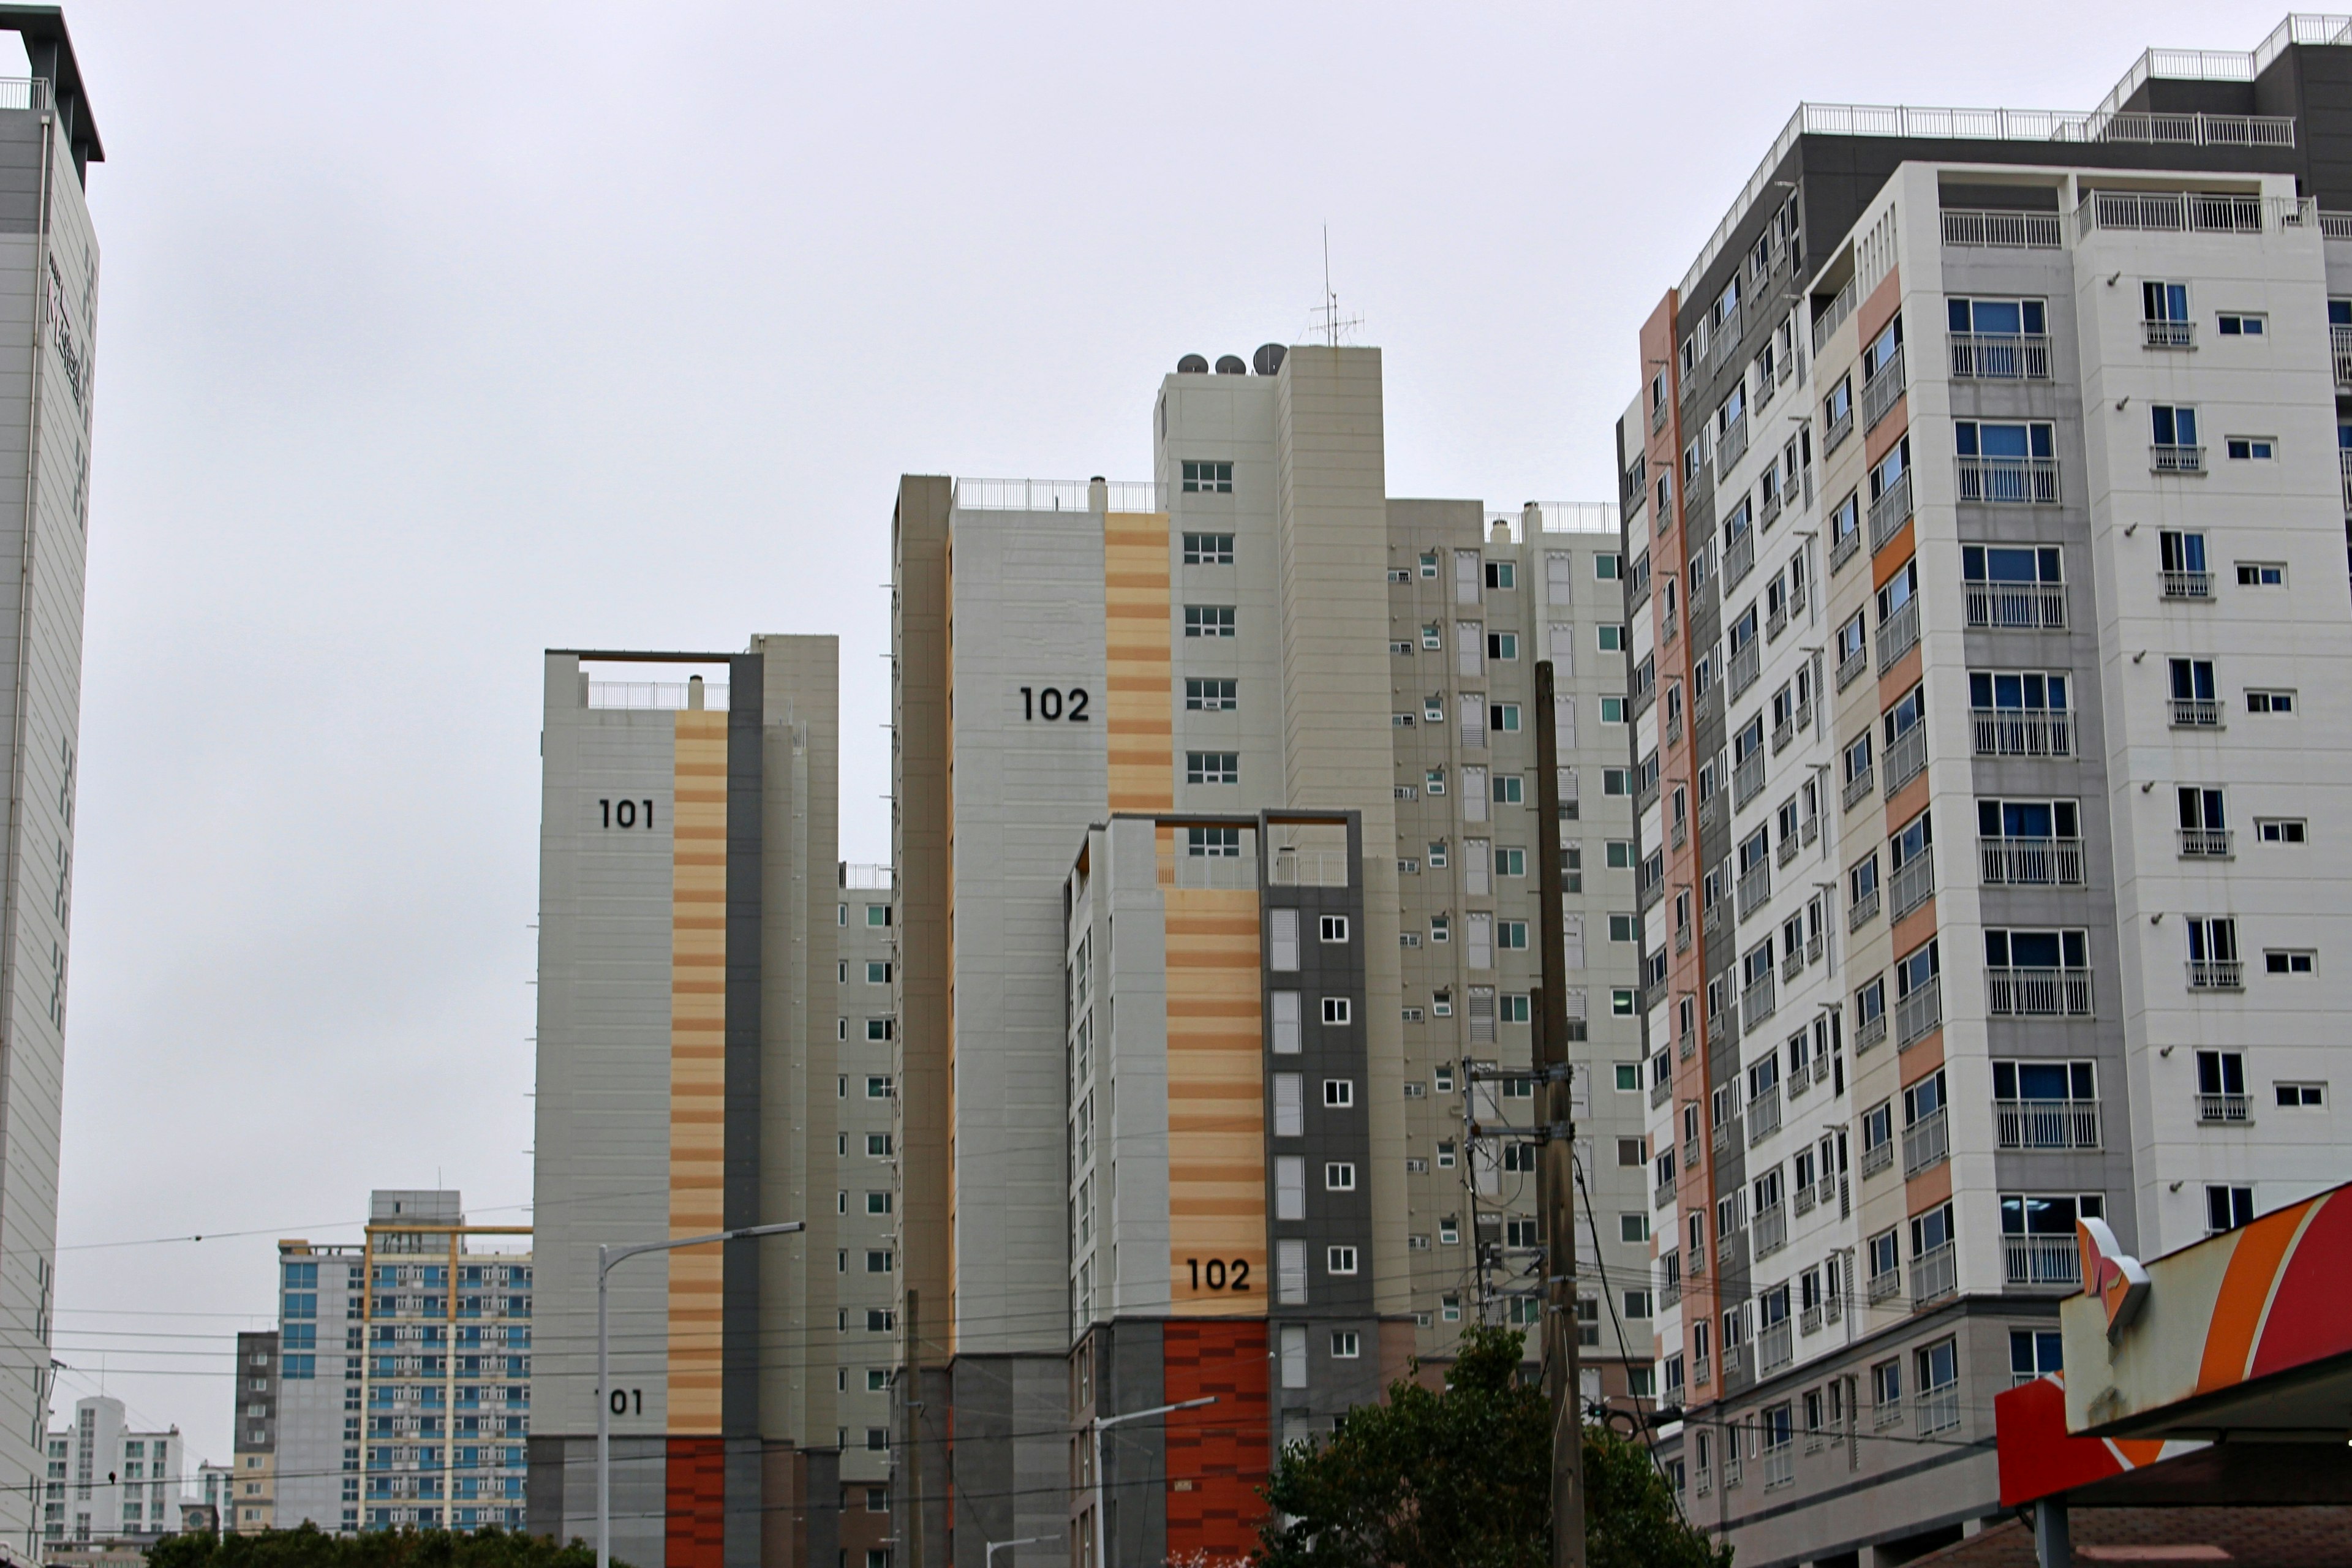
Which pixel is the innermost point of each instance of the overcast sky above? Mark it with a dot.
(433, 335)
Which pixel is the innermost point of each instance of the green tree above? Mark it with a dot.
(311, 1547)
(1461, 1479)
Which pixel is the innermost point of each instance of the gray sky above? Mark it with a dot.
(430, 336)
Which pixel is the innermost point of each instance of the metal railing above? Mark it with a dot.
(1791, 966)
(2344, 467)
(1877, 1157)
(1853, 664)
(1991, 227)
(1858, 787)
(1660, 1092)
(1748, 780)
(2193, 212)
(1781, 1461)
(2019, 992)
(1906, 757)
(2175, 459)
(1885, 1287)
(1828, 321)
(2000, 357)
(1927, 1141)
(1738, 558)
(2216, 974)
(1775, 1348)
(1763, 1113)
(1890, 511)
(2185, 585)
(1754, 888)
(2205, 844)
(1776, 621)
(2223, 1108)
(1913, 884)
(641, 694)
(1833, 435)
(1809, 1321)
(1934, 1274)
(1730, 445)
(2030, 862)
(2040, 1260)
(2018, 732)
(1864, 908)
(1849, 544)
(1919, 1014)
(1768, 509)
(2017, 606)
(2168, 334)
(2046, 1123)
(1879, 392)
(2196, 714)
(2007, 481)
(1898, 633)
(1059, 495)
(1939, 1408)
(1768, 1233)
(2340, 342)
(1743, 665)
(1313, 868)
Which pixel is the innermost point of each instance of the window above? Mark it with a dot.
(877, 972)
(2262, 573)
(1339, 1261)
(2162, 303)
(2257, 701)
(1510, 861)
(1440, 929)
(2006, 464)
(1428, 565)
(877, 914)
(2221, 1073)
(1429, 637)
(2213, 957)
(1612, 711)
(1208, 696)
(1289, 1113)
(1338, 1093)
(1622, 1002)
(2279, 829)
(2288, 961)
(1509, 788)
(1337, 1010)
(877, 1087)
(1208, 479)
(1213, 843)
(1503, 718)
(2239, 324)
(1633, 1226)
(1345, 1345)
(2227, 1208)
(877, 1145)
(1210, 549)
(2301, 1095)
(1611, 638)
(1616, 781)
(1629, 1080)
(1512, 935)
(877, 1263)
(2172, 424)
(1502, 645)
(1338, 1176)
(1334, 928)
(1515, 1008)
(1434, 781)
(1605, 565)
(1445, 1158)
(2243, 449)
(1208, 620)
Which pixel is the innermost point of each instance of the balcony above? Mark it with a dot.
(1702, 1373)
(1775, 1348)
(2030, 862)
(1858, 789)
(1660, 1092)
(1786, 852)
(1879, 392)
(1837, 431)
(1975, 228)
(2193, 212)
(1914, 884)
(1744, 661)
(1887, 1286)
(1853, 665)
(2007, 481)
(2176, 459)
(2034, 993)
(2017, 606)
(2040, 1260)
(2204, 843)
(2223, 1110)
(1664, 1195)
(1767, 510)
(1692, 1154)
(1732, 442)
(1877, 1157)
(2339, 340)
(2046, 1123)
(2023, 732)
(1763, 1115)
(2185, 585)
(2168, 334)
(1747, 782)
(1682, 939)
(1776, 621)
(1726, 1249)
(1670, 1288)
(1738, 558)
(2196, 714)
(1934, 1275)
(1754, 888)
(1780, 1462)
(1906, 757)
(1674, 727)
(1870, 1032)
(1843, 547)
(1898, 633)
(1809, 1321)
(1863, 909)
(2000, 357)
(1927, 1142)
(1939, 1408)
(1890, 511)
(1769, 1234)
(1919, 1014)
(1791, 966)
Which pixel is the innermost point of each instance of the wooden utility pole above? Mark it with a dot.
(1556, 1155)
(913, 1502)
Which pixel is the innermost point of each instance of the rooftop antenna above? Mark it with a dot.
(1333, 325)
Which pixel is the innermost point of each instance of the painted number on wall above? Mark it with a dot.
(624, 813)
(629, 1402)
(1049, 703)
(1218, 1274)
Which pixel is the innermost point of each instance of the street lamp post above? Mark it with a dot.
(989, 1560)
(606, 1257)
(1102, 1491)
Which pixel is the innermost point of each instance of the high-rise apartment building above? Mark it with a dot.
(107, 1483)
(1213, 824)
(253, 1440)
(1986, 504)
(48, 265)
(715, 1036)
(403, 1378)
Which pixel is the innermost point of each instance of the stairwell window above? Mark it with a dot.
(1208, 620)
(1209, 549)
(1213, 767)
(1213, 843)
(2271, 701)
(2240, 324)
(2254, 448)
(1210, 696)
(1208, 478)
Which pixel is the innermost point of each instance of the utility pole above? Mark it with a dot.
(1556, 1155)
(913, 1405)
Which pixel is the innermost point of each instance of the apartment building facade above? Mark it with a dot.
(254, 1439)
(1194, 777)
(1986, 521)
(106, 1483)
(715, 1051)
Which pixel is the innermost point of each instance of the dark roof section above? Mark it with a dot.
(50, 49)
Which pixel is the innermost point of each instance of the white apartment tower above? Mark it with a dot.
(105, 1482)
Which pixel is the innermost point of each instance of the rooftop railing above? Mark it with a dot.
(655, 694)
(1059, 495)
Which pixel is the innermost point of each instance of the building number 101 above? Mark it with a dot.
(624, 814)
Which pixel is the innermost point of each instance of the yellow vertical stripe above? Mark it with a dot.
(1216, 1104)
(698, 1066)
(1137, 661)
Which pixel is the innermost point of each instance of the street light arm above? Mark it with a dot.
(611, 1256)
(1155, 1410)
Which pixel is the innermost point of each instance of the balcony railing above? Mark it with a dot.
(1879, 392)
(1913, 884)
(2040, 1260)
(2185, 585)
(1770, 1233)
(1927, 1141)
(2204, 844)
(1775, 1348)
(1919, 1014)
(1939, 1408)
(2017, 992)
(1890, 511)
(1838, 430)
(1898, 633)
(1792, 965)
(1732, 442)
(1862, 909)
(1885, 1287)
(2014, 230)
(1906, 757)
(1877, 1157)
(1809, 1321)
(2221, 1109)
(2030, 862)
(1755, 1005)
(1849, 542)
(1934, 1274)
(2344, 469)
(2196, 714)
(2008, 481)
(2193, 212)
(2176, 459)
(2216, 974)
(2339, 341)
(1660, 1092)
(1858, 789)
(1738, 558)
(1754, 888)
(2000, 357)
(1768, 510)
(2046, 1123)
(1763, 1112)
(2017, 606)
(2020, 733)
(2168, 334)
(1743, 665)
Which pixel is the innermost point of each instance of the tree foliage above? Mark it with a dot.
(1461, 1479)
(311, 1547)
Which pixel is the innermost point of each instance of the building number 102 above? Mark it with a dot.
(1046, 702)
(1215, 1274)
(624, 813)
